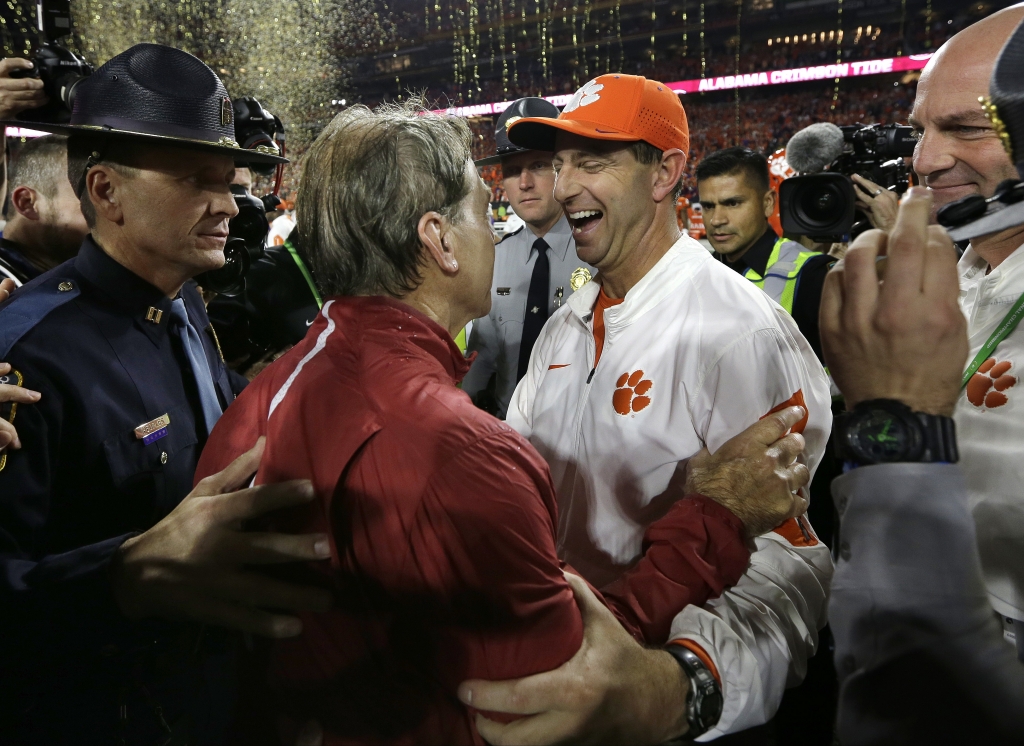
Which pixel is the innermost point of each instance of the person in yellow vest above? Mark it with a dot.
(737, 203)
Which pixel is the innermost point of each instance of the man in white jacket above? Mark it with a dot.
(664, 354)
(960, 153)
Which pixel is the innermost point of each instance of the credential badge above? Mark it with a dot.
(580, 277)
(153, 430)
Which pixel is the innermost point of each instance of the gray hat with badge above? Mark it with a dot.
(161, 95)
(521, 109)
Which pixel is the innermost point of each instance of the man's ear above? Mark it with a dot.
(668, 174)
(433, 233)
(104, 186)
(769, 202)
(24, 200)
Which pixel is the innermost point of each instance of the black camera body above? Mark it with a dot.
(247, 240)
(823, 206)
(877, 152)
(60, 69)
(257, 129)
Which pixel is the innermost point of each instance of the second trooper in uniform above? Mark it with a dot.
(737, 200)
(535, 268)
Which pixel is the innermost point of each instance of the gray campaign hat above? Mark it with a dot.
(521, 109)
(162, 95)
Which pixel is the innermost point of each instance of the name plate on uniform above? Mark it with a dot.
(153, 430)
(504, 291)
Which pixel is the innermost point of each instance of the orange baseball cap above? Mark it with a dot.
(618, 107)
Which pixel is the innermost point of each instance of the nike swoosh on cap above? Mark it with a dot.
(310, 322)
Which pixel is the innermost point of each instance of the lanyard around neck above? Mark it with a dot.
(1005, 328)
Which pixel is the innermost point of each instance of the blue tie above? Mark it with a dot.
(193, 346)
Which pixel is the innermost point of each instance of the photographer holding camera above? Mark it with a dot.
(876, 202)
(831, 199)
(111, 563)
(273, 309)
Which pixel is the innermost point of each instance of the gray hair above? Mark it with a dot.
(366, 182)
(117, 152)
(37, 164)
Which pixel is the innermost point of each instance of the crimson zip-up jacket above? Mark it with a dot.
(443, 524)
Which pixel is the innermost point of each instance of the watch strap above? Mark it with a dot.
(704, 701)
(934, 435)
(939, 438)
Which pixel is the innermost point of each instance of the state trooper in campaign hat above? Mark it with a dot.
(535, 267)
(118, 343)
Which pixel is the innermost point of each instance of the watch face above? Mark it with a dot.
(879, 437)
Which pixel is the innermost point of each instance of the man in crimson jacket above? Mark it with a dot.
(442, 519)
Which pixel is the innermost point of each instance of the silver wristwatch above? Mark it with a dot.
(704, 701)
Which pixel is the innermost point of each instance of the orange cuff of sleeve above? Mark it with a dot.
(700, 653)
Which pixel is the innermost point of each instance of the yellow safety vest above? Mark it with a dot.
(780, 279)
(782, 271)
(460, 340)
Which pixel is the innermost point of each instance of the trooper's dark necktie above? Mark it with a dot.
(537, 303)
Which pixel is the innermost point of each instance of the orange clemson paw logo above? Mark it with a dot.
(631, 392)
(988, 387)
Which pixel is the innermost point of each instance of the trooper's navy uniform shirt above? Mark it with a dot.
(94, 339)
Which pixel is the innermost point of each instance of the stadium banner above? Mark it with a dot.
(746, 80)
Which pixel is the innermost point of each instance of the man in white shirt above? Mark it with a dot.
(665, 353)
(960, 154)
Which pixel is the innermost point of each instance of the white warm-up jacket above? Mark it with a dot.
(692, 356)
(990, 428)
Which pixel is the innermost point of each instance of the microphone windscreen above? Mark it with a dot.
(814, 147)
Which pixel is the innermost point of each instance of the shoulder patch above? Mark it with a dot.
(30, 305)
(516, 232)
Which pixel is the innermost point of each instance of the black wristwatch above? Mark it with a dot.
(704, 700)
(885, 431)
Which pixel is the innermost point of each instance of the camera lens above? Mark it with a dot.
(229, 279)
(822, 205)
(818, 205)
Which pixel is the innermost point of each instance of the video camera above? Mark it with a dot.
(822, 201)
(60, 69)
(255, 129)
(247, 242)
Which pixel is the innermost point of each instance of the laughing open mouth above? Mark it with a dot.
(583, 220)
